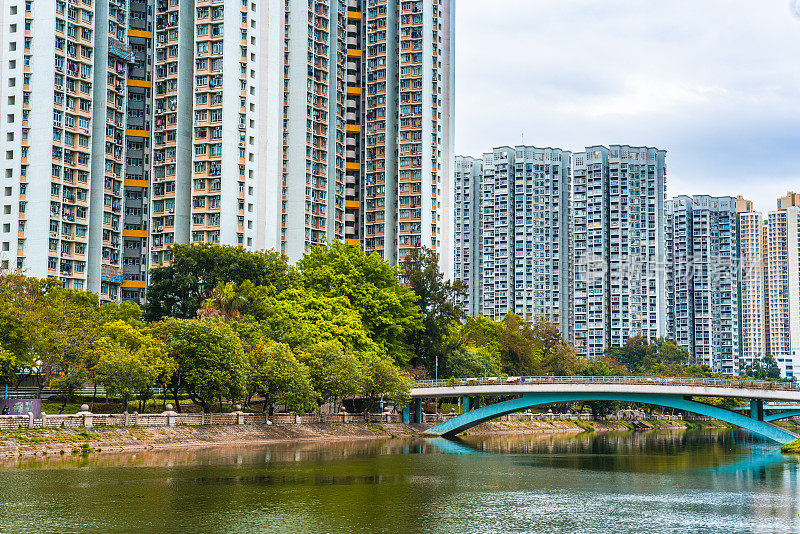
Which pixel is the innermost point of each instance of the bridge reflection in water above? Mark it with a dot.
(528, 392)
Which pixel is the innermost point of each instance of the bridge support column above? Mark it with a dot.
(465, 407)
(407, 413)
(417, 411)
(757, 409)
(475, 403)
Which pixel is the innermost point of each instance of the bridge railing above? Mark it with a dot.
(642, 380)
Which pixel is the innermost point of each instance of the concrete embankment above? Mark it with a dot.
(56, 441)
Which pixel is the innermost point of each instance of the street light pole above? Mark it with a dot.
(485, 361)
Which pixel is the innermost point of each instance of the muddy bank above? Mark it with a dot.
(52, 441)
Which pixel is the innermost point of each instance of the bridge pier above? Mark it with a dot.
(757, 409)
(465, 404)
(475, 403)
(418, 411)
(407, 413)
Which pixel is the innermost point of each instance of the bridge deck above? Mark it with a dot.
(686, 387)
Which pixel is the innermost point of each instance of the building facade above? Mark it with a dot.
(467, 173)
(783, 282)
(408, 108)
(752, 258)
(618, 243)
(66, 157)
(257, 124)
(702, 279)
(524, 208)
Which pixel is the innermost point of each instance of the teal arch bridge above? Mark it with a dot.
(678, 393)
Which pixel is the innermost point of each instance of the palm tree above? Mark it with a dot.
(224, 302)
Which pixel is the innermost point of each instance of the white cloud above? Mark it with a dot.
(715, 82)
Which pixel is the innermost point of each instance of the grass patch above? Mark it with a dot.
(586, 425)
(791, 448)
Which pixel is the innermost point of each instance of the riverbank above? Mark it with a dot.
(791, 448)
(62, 441)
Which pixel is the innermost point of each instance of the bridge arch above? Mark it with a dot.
(475, 417)
(782, 415)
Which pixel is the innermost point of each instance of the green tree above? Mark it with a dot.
(388, 310)
(383, 379)
(178, 290)
(518, 351)
(278, 376)
(637, 354)
(9, 367)
(210, 357)
(440, 301)
(225, 303)
(300, 317)
(130, 361)
(764, 369)
(335, 373)
(469, 362)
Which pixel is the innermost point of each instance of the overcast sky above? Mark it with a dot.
(714, 82)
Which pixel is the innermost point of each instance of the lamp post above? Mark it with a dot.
(485, 362)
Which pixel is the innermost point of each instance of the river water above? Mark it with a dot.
(679, 482)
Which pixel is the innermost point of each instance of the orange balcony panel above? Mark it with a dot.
(352, 242)
(353, 128)
(136, 183)
(351, 204)
(126, 232)
(353, 52)
(353, 166)
(352, 15)
(137, 83)
(140, 33)
(137, 133)
(353, 90)
(133, 283)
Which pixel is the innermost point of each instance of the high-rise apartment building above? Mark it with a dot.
(65, 71)
(752, 274)
(467, 173)
(264, 125)
(618, 244)
(702, 279)
(525, 234)
(408, 121)
(207, 143)
(783, 282)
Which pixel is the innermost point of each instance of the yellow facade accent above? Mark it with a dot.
(127, 232)
(351, 204)
(354, 52)
(140, 33)
(133, 283)
(353, 15)
(136, 183)
(353, 128)
(351, 242)
(352, 166)
(137, 133)
(137, 83)
(353, 90)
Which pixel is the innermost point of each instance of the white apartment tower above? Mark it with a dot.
(408, 121)
(702, 284)
(65, 105)
(524, 221)
(752, 258)
(208, 144)
(783, 282)
(467, 173)
(618, 195)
